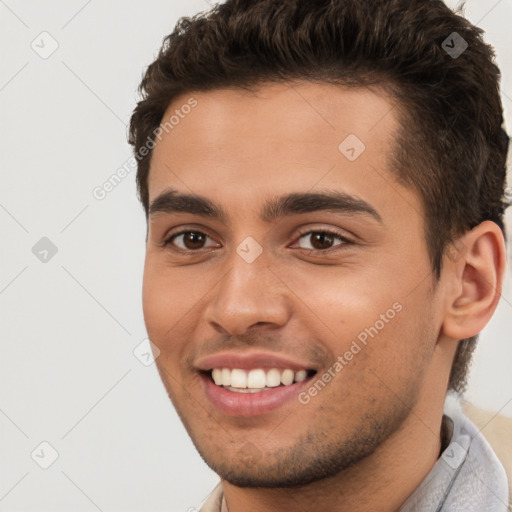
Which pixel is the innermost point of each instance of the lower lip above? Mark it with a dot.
(250, 404)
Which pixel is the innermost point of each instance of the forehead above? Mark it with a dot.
(241, 145)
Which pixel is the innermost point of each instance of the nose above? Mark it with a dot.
(250, 295)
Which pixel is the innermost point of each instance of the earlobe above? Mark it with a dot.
(477, 277)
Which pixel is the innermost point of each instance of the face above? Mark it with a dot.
(287, 282)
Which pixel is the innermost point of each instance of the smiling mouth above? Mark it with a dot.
(256, 380)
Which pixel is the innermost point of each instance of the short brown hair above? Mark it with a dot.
(451, 147)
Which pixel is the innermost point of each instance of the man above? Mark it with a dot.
(324, 187)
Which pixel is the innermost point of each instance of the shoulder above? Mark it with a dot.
(497, 430)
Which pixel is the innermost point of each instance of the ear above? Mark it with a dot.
(475, 280)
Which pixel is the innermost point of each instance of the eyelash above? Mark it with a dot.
(345, 241)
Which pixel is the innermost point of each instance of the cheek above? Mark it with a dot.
(172, 300)
(343, 301)
(164, 301)
(155, 303)
(401, 351)
(379, 325)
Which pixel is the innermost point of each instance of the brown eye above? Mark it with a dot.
(322, 240)
(188, 240)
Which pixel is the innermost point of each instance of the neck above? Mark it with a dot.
(387, 477)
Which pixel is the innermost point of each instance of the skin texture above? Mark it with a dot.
(373, 433)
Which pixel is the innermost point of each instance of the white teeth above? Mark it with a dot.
(287, 377)
(301, 375)
(226, 377)
(246, 390)
(255, 380)
(273, 378)
(217, 376)
(238, 378)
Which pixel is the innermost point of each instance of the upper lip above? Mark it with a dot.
(249, 361)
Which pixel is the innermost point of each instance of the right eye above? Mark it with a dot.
(187, 240)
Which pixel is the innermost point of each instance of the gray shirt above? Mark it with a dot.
(467, 477)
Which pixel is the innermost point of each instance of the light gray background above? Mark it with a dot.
(70, 325)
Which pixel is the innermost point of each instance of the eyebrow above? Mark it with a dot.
(173, 201)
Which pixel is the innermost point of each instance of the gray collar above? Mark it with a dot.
(468, 477)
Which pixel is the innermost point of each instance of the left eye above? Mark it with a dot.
(322, 240)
